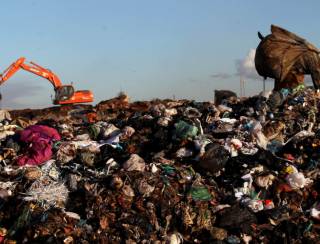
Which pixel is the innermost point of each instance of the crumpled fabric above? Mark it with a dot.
(39, 139)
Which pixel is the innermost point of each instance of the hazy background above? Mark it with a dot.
(149, 49)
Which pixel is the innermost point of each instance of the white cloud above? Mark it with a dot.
(246, 67)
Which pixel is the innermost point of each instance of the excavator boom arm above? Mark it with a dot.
(33, 68)
(45, 73)
(11, 70)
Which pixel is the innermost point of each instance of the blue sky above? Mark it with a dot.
(149, 49)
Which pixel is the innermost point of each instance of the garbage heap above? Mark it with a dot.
(237, 170)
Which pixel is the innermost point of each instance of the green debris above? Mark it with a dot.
(200, 193)
(298, 88)
(309, 227)
(183, 130)
(168, 170)
(23, 220)
(94, 131)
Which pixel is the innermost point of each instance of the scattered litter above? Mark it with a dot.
(237, 171)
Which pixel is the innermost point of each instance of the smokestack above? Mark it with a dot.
(242, 87)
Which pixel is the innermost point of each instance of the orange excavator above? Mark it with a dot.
(64, 94)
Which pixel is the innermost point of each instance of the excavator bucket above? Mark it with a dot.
(67, 95)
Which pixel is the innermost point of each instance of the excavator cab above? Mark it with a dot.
(66, 95)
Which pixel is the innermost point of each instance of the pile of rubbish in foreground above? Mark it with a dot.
(164, 171)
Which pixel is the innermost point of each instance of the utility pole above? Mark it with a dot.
(240, 87)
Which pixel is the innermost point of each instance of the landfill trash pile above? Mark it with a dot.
(241, 170)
